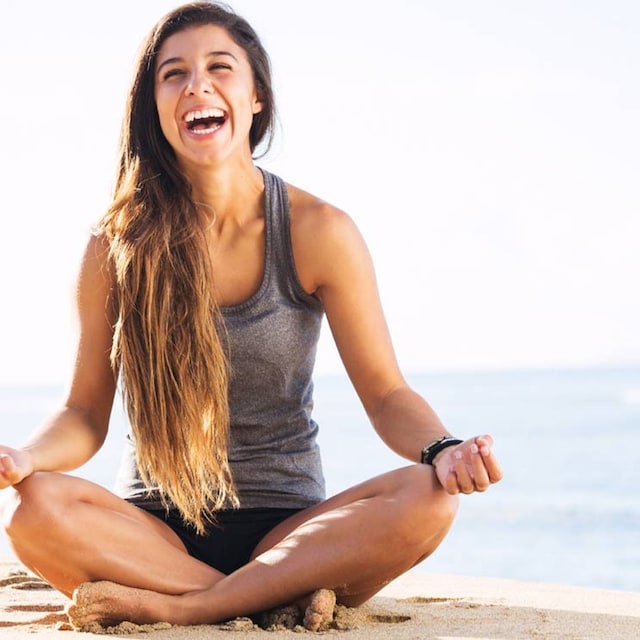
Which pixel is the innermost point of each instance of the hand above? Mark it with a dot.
(468, 467)
(15, 466)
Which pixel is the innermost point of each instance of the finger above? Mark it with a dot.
(447, 478)
(465, 482)
(492, 466)
(490, 462)
(5, 464)
(486, 439)
(484, 444)
(451, 483)
(8, 469)
(480, 473)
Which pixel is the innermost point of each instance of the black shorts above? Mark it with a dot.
(228, 544)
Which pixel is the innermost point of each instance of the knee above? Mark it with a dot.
(30, 503)
(429, 509)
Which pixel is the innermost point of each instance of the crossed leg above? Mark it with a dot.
(125, 565)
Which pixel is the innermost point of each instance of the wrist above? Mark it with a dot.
(431, 451)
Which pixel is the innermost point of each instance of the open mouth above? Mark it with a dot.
(205, 121)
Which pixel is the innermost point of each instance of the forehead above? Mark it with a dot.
(201, 40)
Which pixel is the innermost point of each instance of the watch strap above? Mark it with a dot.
(436, 446)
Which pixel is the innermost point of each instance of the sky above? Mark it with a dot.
(487, 150)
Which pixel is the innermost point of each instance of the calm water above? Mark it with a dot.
(568, 509)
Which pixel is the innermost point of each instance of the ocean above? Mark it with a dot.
(567, 510)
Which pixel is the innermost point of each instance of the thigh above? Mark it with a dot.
(92, 534)
(414, 482)
(366, 535)
(45, 492)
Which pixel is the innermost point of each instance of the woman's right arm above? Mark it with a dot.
(74, 433)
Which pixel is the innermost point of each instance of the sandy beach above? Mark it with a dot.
(417, 606)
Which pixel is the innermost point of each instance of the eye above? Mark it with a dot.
(172, 73)
(219, 66)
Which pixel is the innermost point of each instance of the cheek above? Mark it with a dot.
(166, 117)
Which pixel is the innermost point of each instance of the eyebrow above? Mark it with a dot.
(210, 54)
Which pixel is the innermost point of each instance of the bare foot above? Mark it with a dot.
(108, 604)
(319, 612)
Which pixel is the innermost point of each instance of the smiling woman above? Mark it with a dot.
(203, 290)
(204, 81)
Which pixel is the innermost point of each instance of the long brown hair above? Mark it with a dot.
(166, 344)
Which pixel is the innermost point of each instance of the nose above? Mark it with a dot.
(199, 83)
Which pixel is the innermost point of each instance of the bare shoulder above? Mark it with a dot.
(96, 253)
(94, 277)
(315, 220)
(323, 237)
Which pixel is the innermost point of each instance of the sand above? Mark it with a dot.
(418, 606)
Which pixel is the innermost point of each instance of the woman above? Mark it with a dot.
(203, 290)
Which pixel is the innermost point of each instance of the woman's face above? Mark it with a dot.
(205, 96)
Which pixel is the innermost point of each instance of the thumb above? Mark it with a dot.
(484, 443)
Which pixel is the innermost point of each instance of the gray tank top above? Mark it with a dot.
(274, 456)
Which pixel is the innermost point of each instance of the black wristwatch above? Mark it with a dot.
(436, 446)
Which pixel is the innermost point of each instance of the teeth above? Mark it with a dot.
(205, 113)
(203, 132)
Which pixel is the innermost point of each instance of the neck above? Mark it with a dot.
(232, 193)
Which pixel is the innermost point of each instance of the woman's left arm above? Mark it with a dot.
(333, 262)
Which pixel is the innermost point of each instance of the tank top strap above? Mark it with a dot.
(279, 263)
